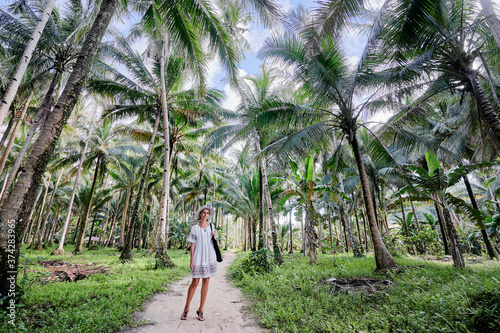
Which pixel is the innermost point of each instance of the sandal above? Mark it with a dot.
(200, 315)
(184, 315)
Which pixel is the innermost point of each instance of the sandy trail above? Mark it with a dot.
(223, 309)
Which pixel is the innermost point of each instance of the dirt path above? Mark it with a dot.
(223, 310)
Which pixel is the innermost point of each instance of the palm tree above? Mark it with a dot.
(17, 76)
(19, 204)
(324, 75)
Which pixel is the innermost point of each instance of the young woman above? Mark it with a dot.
(203, 258)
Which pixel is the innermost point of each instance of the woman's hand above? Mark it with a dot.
(213, 234)
(191, 265)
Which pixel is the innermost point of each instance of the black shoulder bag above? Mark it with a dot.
(216, 246)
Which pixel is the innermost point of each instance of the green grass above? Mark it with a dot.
(437, 298)
(100, 303)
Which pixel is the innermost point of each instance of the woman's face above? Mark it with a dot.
(204, 214)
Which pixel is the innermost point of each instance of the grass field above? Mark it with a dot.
(429, 296)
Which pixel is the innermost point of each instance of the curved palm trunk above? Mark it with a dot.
(60, 246)
(127, 253)
(383, 259)
(11, 90)
(486, 110)
(83, 224)
(19, 203)
(6, 152)
(489, 248)
(38, 245)
(42, 113)
(163, 259)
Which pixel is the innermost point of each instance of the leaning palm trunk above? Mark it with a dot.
(83, 224)
(60, 246)
(19, 203)
(489, 248)
(7, 130)
(11, 90)
(38, 245)
(163, 259)
(42, 113)
(486, 110)
(458, 260)
(383, 259)
(6, 152)
(127, 253)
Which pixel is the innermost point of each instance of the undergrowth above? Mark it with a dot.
(428, 296)
(99, 303)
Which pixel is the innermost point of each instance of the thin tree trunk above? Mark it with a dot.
(42, 209)
(227, 232)
(54, 226)
(38, 245)
(163, 259)
(330, 229)
(261, 210)
(357, 224)
(7, 131)
(141, 226)
(383, 259)
(291, 232)
(491, 251)
(92, 230)
(6, 152)
(458, 260)
(60, 246)
(113, 224)
(126, 254)
(267, 192)
(42, 113)
(17, 77)
(83, 224)
(19, 203)
(105, 225)
(421, 246)
(125, 211)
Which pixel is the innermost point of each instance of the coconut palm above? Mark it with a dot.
(324, 74)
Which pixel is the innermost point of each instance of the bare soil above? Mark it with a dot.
(225, 309)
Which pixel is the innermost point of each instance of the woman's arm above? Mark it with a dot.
(191, 265)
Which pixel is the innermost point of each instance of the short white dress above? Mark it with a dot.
(204, 257)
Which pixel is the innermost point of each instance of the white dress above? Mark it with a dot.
(204, 257)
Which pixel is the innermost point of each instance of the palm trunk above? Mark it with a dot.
(38, 244)
(105, 226)
(493, 21)
(486, 110)
(83, 224)
(489, 247)
(141, 226)
(40, 217)
(113, 224)
(7, 131)
(60, 246)
(267, 193)
(54, 226)
(383, 259)
(92, 230)
(227, 231)
(128, 195)
(19, 203)
(126, 254)
(17, 77)
(6, 152)
(42, 113)
(420, 246)
(357, 225)
(261, 210)
(163, 259)
(458, 260)
(348, 227)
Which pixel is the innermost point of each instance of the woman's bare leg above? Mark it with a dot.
(191, 290)
(204, 292)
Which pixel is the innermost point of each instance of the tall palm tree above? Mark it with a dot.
(325, 76)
